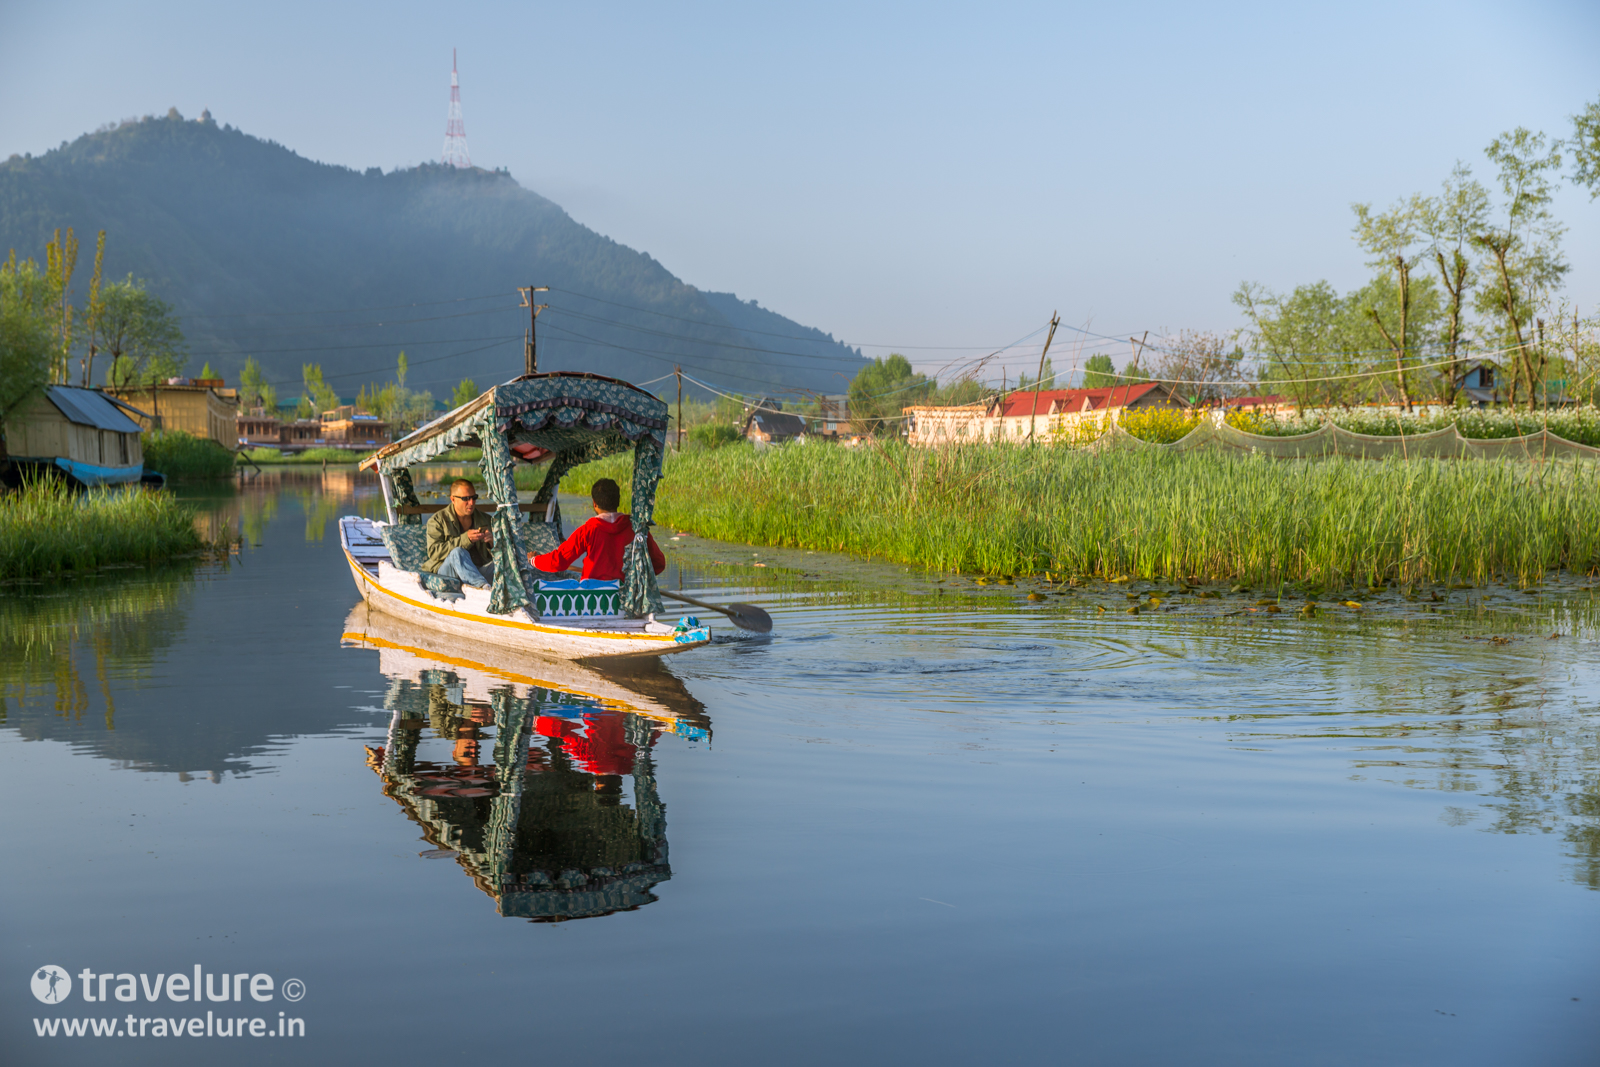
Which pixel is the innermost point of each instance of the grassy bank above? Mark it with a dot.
(45, 529)
(1327, 523)
(182, 456)
(310, 455)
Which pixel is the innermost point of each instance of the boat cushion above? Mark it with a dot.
(408, 550)
(589, 597)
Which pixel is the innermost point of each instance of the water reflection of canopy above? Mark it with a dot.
(549, 843)
(576, 418)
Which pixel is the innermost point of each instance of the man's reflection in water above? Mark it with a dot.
(545, 828)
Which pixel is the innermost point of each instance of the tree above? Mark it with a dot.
(1201, 365)
(881, 389)
(1450, 220)
(1313, 343)
(466, 391)
(61, 259)
(318, 391)
(254, 389)
(1586, 149)
(26, 346)
(1099, 372)
(141, 334)
(1523, 263)
(1047, 380)
(966, 390)
(206, 373)
(1391, 237)
(91, 312)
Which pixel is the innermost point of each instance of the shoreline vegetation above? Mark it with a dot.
(1000, 509)
(47, 529)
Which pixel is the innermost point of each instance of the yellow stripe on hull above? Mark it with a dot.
(558, 640)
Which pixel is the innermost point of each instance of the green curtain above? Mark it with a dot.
(640, 594)
(508, 592)
(407, 495)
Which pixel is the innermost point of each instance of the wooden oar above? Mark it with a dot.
(744, 616)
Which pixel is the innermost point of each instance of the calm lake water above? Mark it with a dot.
(924, 822)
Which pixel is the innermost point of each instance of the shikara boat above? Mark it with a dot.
(559, 421)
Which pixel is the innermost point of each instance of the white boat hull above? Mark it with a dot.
(401, 594)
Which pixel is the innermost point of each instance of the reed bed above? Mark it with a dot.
(182, 456)
(1201, 516)
(46, 529)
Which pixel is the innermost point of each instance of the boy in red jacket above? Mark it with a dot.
(600, 541)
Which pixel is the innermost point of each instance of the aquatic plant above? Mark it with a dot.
(47, 529)
(182, 456)
(1015, 510)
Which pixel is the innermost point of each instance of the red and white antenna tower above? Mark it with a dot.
(455, 130)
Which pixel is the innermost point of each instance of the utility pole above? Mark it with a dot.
(530, 351)
(679, 372)
(1038, 383)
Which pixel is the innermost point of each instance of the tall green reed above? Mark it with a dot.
(47, 529)
(1265, 521)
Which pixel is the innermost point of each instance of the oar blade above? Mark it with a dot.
(749, 617)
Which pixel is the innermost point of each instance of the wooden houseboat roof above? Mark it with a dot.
(90, 407)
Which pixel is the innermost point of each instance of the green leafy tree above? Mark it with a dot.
(318, 391)
(1394, 239)
(967, 390)
(61, 259)
(255, 390)
(26, 345)
(466, 391)
(1523, 262)
(1450, 220)
(1313, 340)
(1585, 146)
(1047, 378)
(141, 334)
(1099, 372)
(881, 389)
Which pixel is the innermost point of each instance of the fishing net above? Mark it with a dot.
(1331, 440)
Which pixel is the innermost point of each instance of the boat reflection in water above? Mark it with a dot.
(528, 787)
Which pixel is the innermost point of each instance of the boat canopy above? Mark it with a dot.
(577, 418)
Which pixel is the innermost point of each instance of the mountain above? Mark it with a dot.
(267, 254)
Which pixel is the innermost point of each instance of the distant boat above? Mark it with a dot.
(562, 419)
(82, 434)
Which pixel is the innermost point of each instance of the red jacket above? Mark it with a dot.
(601, 543)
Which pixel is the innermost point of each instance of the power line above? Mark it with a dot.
(344, 348)
(344, 311)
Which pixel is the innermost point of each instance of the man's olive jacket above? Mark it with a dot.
(445, 533)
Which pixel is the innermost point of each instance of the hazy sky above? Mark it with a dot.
(907, 175)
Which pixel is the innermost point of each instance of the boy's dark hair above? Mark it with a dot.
(606, 495)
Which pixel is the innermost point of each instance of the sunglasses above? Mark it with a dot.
(472, 497)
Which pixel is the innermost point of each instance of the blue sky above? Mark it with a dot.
(905, 175)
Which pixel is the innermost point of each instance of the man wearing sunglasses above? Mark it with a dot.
(458, 539)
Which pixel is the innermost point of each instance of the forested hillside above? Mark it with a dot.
(266, 254)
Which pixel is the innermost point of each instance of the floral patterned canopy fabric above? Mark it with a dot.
(578, 418)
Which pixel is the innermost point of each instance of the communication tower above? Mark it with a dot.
(455, 131)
